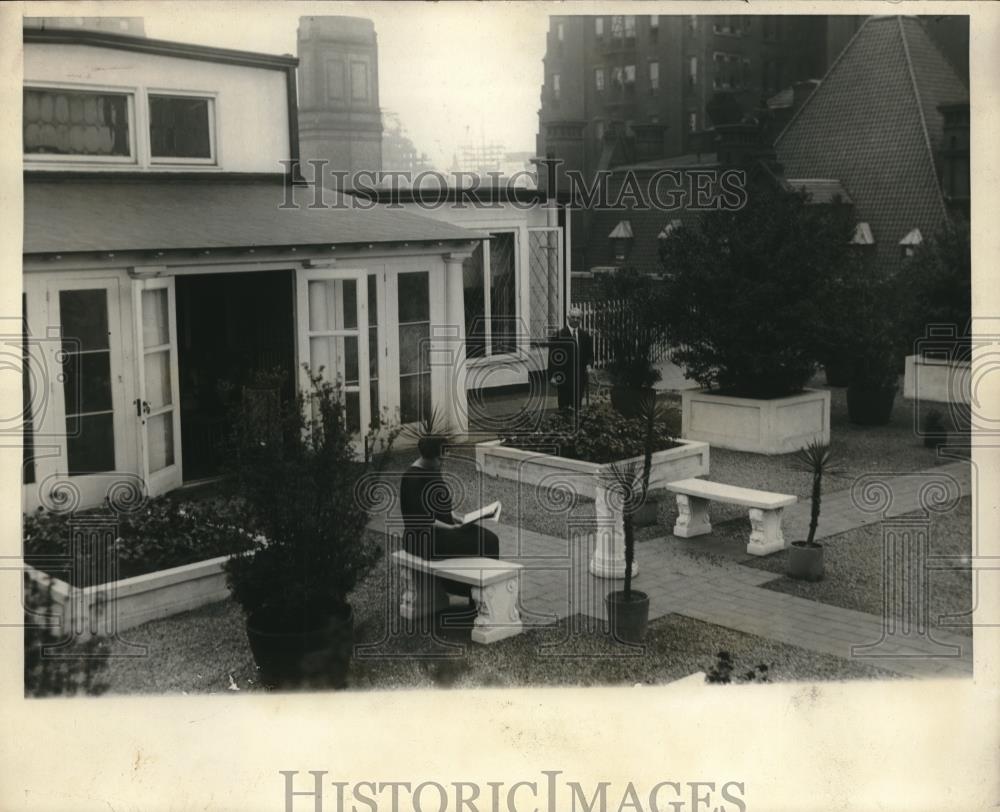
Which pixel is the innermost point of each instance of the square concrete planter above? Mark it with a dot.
(588, 479)
(106, 609)
(772, 426)
(937, 380)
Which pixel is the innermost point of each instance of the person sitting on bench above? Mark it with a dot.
(431, 530)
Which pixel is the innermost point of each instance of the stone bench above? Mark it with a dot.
(494, 590)
(693, 496)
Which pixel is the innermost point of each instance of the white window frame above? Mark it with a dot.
(129, 91)
(212, 98)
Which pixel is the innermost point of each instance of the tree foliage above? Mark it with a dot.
(745, 289)
(632, 335)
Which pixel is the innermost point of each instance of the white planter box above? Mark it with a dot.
(688, 459)
(940, 381)
(105, 609)
(774, 426)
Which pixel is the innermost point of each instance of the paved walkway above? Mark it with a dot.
(556, 583)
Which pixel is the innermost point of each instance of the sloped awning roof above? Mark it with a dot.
(622, 231)
(87, 216)
(863, 235)
(913, 237)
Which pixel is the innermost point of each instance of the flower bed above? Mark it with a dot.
(111, 571)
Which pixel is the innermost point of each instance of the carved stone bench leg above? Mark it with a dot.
(765, 535)
(692, 517)
(421, 595)
(498, 613)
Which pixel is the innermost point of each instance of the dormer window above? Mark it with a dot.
(181, 129)
(911, 242)
(90, 125)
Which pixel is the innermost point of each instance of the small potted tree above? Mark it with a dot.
(805, 558)
(631, 325)
(628, 609)
(296, 471)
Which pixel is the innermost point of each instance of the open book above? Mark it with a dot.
(490, 511)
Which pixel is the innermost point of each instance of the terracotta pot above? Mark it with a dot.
(868, 406)
(628, 619)
(805, 561)
(303, 658)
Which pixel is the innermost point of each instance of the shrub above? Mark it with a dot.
(722, 672)
(165, 532)
(633, 331)
(598, 434)
(744, 291)
(295, 469)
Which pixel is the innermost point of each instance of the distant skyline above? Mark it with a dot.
(454, 73)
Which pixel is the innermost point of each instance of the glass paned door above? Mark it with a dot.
(414, 312)
(334, 337)
(156, 406)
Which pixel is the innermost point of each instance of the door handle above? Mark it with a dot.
(141, 407)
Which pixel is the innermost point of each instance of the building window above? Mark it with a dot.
(180, 127)
(692, 121)
(654, 76)
(334, 80)
(489, 280)
(599, 133)
(599, 79)
(629, 26)
(78, 123)
(654, 22)
(692, 23)
(414, 307)
(599, 26)
(555, 86)
(559, 32)
(359, 81)
(86, 350)
(693, 70)
(630, 74)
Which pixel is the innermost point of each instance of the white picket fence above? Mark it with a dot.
(618, 309)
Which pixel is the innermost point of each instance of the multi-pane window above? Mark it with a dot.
(599, 79)
(731, 71)
(629, 24)
(86, 352)
(693, 70)
(91, 124)
(654, 22)
(414, 346)
(599, 26)
(630, 74)
(559, 32)
(692, 121)
(654, 75)
(489, 281)
(359, 81)
(555, 86)
(180, 127)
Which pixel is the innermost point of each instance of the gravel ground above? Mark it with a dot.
(853, 569)
(198, 652)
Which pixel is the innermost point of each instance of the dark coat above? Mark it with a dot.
(568, 362)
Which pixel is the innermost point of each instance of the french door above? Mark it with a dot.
(334, 335)
(156, 407)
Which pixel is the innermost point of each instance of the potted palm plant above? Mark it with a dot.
(628, 609)
(805, 558)
(296, 472)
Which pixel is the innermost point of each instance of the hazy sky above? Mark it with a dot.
(455, 72)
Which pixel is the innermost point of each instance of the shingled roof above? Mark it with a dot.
(873, 124)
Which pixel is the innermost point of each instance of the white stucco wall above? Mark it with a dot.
(251, 107)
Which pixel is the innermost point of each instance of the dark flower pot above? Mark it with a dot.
(870, 406)
(838, 372)
(628, 400)
(805, 561)
(303, 658)
(628, 619)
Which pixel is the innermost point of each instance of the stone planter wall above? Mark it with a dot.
(774, 426)
(938, 381)
(106, 609)
(586, 479)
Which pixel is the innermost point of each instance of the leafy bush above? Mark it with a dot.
(296, 470)
(937, 286)
(722, 672)
(58, 672)
(165, 532)
(633, 334)
(744, 291)
(598, 434)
